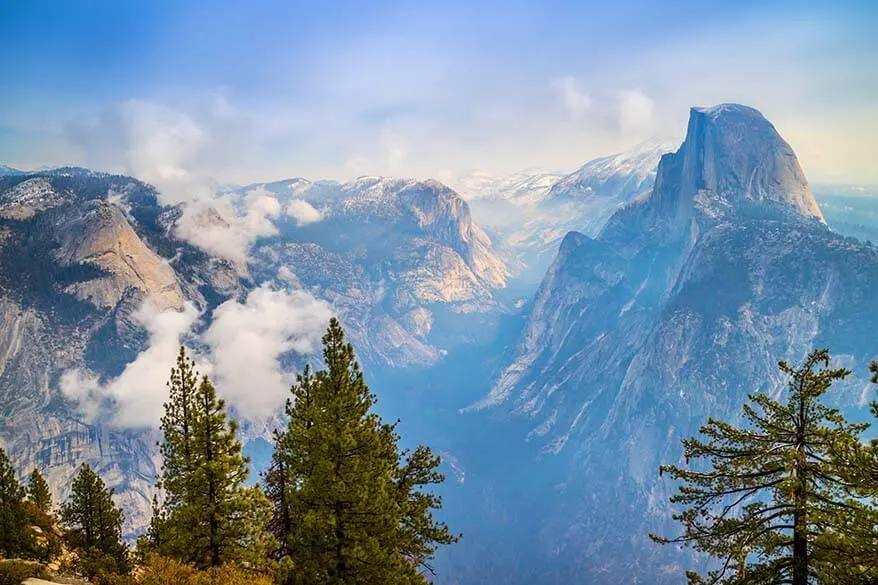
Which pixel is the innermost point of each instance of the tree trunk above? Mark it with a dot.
(211, 488)
(800, 524)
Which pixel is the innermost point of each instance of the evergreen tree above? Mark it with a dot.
(177, 425)
(94, 525)
(773, 504)
(154, 540)
(38, 492)
(14, 536)
(346, 510)
(209, 517)
(419, 533)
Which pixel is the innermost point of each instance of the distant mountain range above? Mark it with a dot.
(530, 212)
(553, 335)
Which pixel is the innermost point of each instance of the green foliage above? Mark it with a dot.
(94, 526)
(38, 492)
(346, 508)
(14, 572)
(15, 538)
(776, 503)
(46, 541)
(209, 516)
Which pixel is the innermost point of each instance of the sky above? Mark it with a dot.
(253, 91)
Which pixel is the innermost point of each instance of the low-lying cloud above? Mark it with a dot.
(241, 353)
(135, 398)
(303, 212)
(247, 339)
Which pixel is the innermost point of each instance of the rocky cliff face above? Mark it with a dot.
(680, 307)
(71, 269)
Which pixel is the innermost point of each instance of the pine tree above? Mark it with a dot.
(14, 536)
(38, 492)
(773, 503)
(94, 525)
(346, 510)
(209, 516)
(154, 540)
(177, 425)
(419, 533)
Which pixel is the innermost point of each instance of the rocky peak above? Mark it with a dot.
(732, 159)
(99, 234)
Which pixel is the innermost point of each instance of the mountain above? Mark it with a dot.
(679, 307)
(72, 270)
(82, 252)
(6, 171)
(395, 258)
(685, 277)
(530, 212)
(619, 177)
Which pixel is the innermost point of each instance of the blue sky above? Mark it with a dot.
(248, 91)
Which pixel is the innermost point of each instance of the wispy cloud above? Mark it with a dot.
(577, 102)
(635, 113)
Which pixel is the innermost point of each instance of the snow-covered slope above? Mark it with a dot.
(619, 177)
(527, 187)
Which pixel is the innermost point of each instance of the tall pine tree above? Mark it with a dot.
(347, 509)
(38, 492)
(177, 425)
(772, 502)
(209, 516)
(94, 524)
(15, 538)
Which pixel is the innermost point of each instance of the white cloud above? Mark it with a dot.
(635, 112)
(247, 339)
(303, 212)
(228, 225)
(136, 397)
(577, 102)
(245, 342)
(260, 206)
